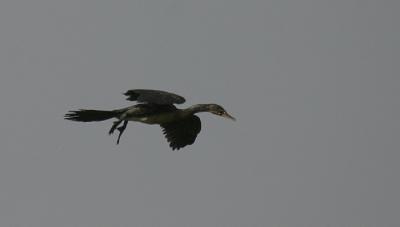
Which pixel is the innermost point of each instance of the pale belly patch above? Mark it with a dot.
(154, 119)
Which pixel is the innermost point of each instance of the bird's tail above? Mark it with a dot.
(90, 115)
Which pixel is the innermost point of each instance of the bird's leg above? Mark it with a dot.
(121, 130)
(114, 126)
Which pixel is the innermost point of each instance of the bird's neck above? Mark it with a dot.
(196, 109)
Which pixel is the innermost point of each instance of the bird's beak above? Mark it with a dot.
(226, 115)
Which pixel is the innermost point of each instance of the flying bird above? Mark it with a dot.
(180, 126)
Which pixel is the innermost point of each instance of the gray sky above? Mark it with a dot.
(314, 86)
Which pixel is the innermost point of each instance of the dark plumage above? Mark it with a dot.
(154, 96)
(180, 126)
(182, 132)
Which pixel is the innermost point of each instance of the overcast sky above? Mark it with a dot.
(314, 86)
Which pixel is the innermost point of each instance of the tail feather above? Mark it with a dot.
(90, 115)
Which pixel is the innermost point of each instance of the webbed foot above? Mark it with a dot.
(121, 130)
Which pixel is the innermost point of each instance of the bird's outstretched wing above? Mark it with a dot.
(182, 132)
(154, 96)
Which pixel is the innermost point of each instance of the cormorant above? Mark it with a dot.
(180, 126)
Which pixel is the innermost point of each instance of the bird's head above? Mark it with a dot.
(219, 110)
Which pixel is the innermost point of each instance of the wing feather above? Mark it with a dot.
(154, 96)
(183, 132)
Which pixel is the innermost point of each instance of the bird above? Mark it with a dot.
(179, 126)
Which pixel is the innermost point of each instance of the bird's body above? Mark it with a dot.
(180, 126)
(151, 114)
